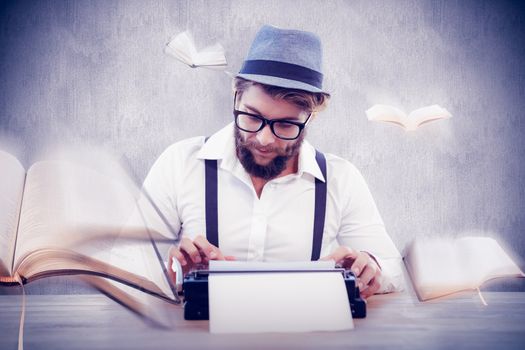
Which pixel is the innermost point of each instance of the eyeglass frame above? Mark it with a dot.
(269, 122)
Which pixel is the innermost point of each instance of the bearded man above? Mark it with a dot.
(258, 191)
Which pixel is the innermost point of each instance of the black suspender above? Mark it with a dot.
(320, 207)
(211, 193)
(212, 215)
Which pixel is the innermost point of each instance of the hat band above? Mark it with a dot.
(283, 70)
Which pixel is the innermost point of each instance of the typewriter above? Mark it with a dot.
(196, 306)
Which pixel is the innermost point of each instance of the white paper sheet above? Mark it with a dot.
(277, 301)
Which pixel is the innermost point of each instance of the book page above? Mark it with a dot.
(12, 177)
(140, 258)
(155, 311)
(441, 266)
(211, 56)
(131, 262)
(88, 207)
(427, 114)
(436, 268)
(386, 113)
(182, 48)
(485, 259)
(66, 203)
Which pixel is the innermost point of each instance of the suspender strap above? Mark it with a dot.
(211, 195)
(320, 207)
(212, 219)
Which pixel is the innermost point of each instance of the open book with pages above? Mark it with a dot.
(80, 213)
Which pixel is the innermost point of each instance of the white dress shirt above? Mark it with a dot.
(279, 225)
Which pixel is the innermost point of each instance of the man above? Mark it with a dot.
(268, 184)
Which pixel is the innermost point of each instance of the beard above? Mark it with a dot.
(275, 166)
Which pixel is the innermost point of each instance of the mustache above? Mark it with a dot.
(256, 145)
(248, 145)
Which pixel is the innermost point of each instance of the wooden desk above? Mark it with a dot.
(395, 321)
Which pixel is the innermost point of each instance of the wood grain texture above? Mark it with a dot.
(393, 321)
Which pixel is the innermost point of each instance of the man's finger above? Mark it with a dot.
(372, 288)
(189, 264)
(359, 264)
(187, 246)
(210, 251)
(183, 259)
(175, 253)
(367, 275)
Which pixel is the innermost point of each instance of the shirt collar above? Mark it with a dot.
(307, 162)
(221, 146)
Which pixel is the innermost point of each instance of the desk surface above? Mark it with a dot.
(395, 320)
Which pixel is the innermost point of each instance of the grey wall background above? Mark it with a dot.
(95, 72)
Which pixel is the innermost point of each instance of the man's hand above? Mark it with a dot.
(191, 253)
(365, 268)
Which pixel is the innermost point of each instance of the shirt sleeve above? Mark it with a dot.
(160, 190)
(363, 229)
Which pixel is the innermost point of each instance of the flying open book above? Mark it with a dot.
(183, 49)
(439, 267)
(81, 215)
(410, 122)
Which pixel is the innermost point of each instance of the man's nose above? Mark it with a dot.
(265, 136)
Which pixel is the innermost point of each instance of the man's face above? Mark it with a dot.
(263, 154)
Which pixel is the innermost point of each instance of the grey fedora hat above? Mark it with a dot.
(285, 58)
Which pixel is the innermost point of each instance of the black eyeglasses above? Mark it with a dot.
(283, 129)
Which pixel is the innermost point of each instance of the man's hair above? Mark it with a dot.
(311, 102)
